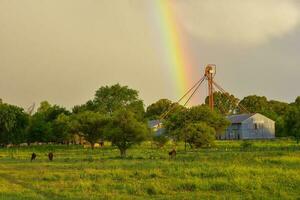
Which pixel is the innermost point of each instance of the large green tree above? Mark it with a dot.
(91, 125)
(62, 128)
(126, 129)
(258, 104)
(178, 120)
(225, 103)
(199, 135)
(42, 123)
(13, 124)
(109, 99)
(157, 109)
(292, 120)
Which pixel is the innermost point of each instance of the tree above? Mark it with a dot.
(279, 110)
(292, 121)
(160, 140)
(13, 124)
(176, 123)
(44, 106)
(211, 118)
(224, 103)
(42, 126)
(62, 128)
(297, 101)
(126, 130)
(109, 99)
(199, 135)
(88, 106)
(258, 104)
(39, 129)
(91, 125)
(155, 110)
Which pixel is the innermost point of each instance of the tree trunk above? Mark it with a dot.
(93, 146)
(123, 153)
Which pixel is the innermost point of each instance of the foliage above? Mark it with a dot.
(42, 126)
(160, 140)
(224, 103)
(199, 135)
(91, 125)
(155, 110)
(13, 123)
(178, 120)
(175, 123)
(256, 104)
(62, 128)
(126, 130)
(292, 121)
(39, 129)
(109, 99)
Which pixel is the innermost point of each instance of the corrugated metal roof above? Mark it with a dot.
(153, 123)
(236, 119)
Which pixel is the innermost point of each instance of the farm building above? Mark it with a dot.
(249, 126)
(154, 125)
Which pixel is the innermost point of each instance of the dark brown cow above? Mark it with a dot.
(33, 157)
(172, 153)
(101, 143)
(50, 156)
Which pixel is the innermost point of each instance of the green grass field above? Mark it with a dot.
(266, 170)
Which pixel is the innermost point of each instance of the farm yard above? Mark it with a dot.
(231, 170)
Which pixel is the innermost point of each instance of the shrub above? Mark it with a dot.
(200, 135)
(160, 140)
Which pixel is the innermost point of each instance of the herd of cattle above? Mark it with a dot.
(172, 154)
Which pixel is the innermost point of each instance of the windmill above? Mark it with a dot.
(31, 108)
(209, 75)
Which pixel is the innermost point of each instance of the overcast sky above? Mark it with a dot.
(63, 50)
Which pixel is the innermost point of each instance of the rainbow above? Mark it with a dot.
(175, 51)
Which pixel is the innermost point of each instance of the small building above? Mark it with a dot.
(155, 126)
(249, 126)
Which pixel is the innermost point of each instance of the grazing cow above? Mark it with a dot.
(172, 153)
(50, 156)
(101, 143)
(33, 157)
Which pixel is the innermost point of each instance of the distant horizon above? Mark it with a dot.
(145, 105)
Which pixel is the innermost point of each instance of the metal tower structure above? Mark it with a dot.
(209, 74)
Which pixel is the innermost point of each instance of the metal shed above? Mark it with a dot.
(154, 125)
(249, 126)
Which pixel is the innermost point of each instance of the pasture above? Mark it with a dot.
(262, 170)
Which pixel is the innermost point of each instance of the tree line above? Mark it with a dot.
(117, 114)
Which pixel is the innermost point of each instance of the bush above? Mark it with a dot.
(200, 135)
(160, 140)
